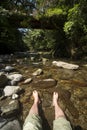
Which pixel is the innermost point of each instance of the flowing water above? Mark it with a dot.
(70, 84)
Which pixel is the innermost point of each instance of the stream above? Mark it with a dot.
(70, 84)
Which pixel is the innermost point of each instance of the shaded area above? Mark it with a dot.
(11, 41)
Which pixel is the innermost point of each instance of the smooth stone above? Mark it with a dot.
(15, 96)
(38, 72)
(45, 83)
(15, 77)
(36, 63)
(65, 65)
(27, 80)
(9, 68)
(9, 90)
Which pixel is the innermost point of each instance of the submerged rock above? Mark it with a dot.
(65, 65)
(45, 83)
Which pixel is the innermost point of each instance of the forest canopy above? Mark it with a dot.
(58, 26)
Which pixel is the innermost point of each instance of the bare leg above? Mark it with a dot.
(34, 108)
(58, 110)
(33, 120)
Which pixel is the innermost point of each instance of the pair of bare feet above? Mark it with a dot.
(34, 109)
(37, 100)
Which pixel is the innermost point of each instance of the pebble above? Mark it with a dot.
(15, 96)
(38, 72)
(27, 80)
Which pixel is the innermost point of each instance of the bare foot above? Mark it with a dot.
(36, 97)
(55, 98)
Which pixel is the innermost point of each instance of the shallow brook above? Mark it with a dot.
(70, 84)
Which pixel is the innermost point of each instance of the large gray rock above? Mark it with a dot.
(3, 81)
(10, 90)
(65, 65)
(9, 107)
(10, 124)
(15, 77)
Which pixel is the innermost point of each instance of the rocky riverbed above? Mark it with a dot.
(47, 78)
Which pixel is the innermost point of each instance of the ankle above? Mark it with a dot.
(55, 104)
(36, 102)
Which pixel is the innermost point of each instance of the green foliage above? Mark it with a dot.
(68, 27)
(54, 11)
(67, 18)
(35, 39)
(75, 21)
(76, 29)
(46, 40)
